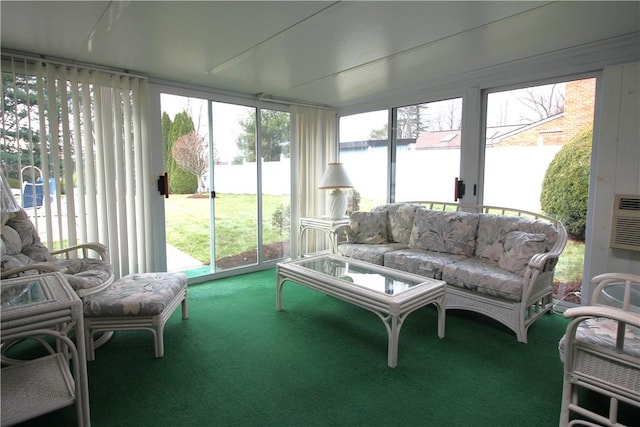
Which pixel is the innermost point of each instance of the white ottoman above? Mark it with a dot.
(142, 301)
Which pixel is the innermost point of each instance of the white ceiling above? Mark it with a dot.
(329, 53)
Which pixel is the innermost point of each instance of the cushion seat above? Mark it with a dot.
(143, 301)
(373, 253)
(485, 277)
(417, 261)
(145, 294)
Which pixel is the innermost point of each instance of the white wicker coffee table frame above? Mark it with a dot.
(391, 309)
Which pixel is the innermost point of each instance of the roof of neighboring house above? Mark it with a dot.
(438, 139)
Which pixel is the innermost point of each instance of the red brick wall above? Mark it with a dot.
(579, 106)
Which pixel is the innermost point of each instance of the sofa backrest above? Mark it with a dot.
(448, 232)
(400, 218)
(494, 230)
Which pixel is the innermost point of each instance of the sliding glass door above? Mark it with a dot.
(235, 212)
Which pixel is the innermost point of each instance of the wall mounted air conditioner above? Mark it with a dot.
(625, 222)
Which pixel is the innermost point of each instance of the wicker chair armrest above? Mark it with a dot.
(43, 267)
(84, 249)
(613, 313)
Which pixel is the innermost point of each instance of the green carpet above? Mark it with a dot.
(320, 362)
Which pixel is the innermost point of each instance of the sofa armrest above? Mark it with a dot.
(84, 249)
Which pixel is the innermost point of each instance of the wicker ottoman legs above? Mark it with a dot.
(135, 302)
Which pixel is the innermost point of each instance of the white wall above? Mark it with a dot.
(615, 167)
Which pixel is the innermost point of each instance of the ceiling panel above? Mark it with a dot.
(330, 53)
(54, 28)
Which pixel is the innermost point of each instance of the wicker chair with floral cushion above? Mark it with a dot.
(86, 266)
(601, 351)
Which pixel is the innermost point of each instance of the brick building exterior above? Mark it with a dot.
(579, 107)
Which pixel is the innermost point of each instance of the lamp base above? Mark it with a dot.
(337, 204)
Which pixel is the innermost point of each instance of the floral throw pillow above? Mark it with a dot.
(368, 227)
(449, 232)
(519, 247)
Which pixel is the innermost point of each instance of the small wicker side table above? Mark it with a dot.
(36, 307)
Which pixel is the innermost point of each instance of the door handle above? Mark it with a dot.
(458, 189)
(163, 185)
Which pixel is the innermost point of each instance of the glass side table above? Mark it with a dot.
(37, 307)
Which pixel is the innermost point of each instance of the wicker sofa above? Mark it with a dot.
(496, 261)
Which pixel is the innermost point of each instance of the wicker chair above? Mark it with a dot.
(85, 266)
(601, 350)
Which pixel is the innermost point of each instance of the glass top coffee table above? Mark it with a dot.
(390, 294)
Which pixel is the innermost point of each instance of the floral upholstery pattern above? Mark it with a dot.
(484, 276)
(519, 247)
(367, 227)
(85, 273)
(21, 246)
(417, 261)
(368, 252)
(602, 332)
(142, 294)
(400, 218)
(493, 230)
(448, 232)
(20, 239)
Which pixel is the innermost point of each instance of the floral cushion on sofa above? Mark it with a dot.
(369, 253)
(493, 230)
(449, 232)
(519, 247)
(485, 277)
(400, 218)
(368, 227)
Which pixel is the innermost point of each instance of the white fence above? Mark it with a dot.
(513, 175)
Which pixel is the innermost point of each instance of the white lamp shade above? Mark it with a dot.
(335, 177)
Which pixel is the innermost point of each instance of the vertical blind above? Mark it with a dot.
(85, 131)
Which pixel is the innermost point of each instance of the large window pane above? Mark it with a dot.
(364, 141)
(276, 184)
(235, 183)
(428, 150)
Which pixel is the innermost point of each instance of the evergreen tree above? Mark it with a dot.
(180, 182)
(19, 107)
(275, 133)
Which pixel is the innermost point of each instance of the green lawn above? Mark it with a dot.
(188, 224)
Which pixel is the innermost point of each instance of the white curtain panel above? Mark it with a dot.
(94, 151)
(314, 142)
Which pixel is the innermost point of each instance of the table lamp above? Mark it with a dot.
(335, 178)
